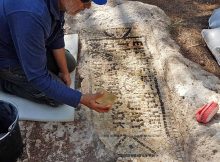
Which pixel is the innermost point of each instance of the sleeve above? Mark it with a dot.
(28, 34)
(58, 42)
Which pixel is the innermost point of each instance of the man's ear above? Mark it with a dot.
(61, 4)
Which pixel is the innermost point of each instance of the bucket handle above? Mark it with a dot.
(10, 128)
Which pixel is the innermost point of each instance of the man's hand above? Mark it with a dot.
(66, 78)
(59, 55)
(89, 100)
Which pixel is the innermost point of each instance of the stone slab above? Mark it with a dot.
(119, 61)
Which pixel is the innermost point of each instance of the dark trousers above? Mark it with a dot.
(14, 81)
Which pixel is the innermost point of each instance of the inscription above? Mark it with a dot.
(120, 63)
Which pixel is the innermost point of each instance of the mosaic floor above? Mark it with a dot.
(139, 124)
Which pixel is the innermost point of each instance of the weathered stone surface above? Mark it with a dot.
(158, 92)
(183, 86)
(63, 142)
(118, 60)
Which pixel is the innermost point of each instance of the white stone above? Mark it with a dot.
(179, 77)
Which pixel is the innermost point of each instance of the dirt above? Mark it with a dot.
(188, 18)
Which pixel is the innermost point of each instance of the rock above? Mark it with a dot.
(176, 88)
(182, 85)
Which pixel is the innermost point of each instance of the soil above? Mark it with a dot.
(188, 18)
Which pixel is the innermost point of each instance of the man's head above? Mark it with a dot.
(74, 6)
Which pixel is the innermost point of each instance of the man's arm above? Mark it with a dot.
(59, 55)
(29, 41)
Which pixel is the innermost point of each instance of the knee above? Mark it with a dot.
(71, 61)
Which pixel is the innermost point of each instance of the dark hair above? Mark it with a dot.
(85, 1)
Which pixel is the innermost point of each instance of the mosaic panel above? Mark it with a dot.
(120, 63)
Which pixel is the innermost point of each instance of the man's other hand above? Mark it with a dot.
(66, 78)
(89, 100)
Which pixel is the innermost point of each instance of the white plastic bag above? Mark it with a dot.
(214, 20)
(212, 39)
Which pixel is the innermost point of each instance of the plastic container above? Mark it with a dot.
(11, 146)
